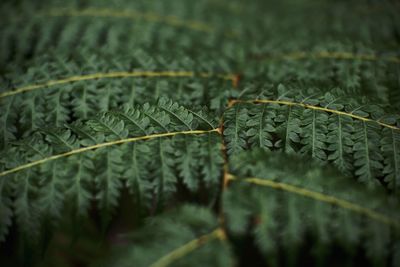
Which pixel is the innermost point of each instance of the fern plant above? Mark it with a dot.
(215, 133)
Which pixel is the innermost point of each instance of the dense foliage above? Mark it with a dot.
(199, 133)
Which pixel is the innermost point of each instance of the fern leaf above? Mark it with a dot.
(211, 160)
(113, 128)
(55, 169)
(82, 106)
(234, 129)
(340, 142)
(78, 184)
(204, 118)
(133, 120)
(61, 91)
(50, 192)
(57, 109)
(62, 140)
(313, 133)
(25, 208)
(391, 152)
(32, 113)
(108, 179)
(290, 128)
(187, 236)
(87, 136)
(180, 114)
(164, 179)
(139, 156)
(95, 126)
(8, 120)
(187, 160)
(303, 201)
(367, 157)
(159, 119)
(262, 118)
(327, 128)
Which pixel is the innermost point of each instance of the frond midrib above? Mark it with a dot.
(117, 74)
(101, 145)
(188, 247)
(313, 107)
(321, 197)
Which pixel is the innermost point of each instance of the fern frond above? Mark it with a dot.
(187, 236)
(58, 165)
(64, 100)
(49, 26)
(325, 126)
(354, 67)
(302, 200)
(333, 212)
(114, 114)
(97, 76)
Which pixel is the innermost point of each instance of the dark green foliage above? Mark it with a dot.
(300, 210)
(328, 126)
(212, 133)
(280, 214)
(183, 228)
(65, 102)
(97, 159)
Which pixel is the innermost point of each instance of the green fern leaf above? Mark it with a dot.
(283, 205)
(234, 129)
(391, 151)
(185, 237)
(261, 117)
(114, 114)
(325, 127)
(367, 158)
(56, 168)
(313, 134)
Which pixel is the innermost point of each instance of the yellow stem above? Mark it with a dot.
(122, 74)
(290, 103)
(337, 55)
(106, 144)
(189, 247)
(297, 55)
(324, 198)
(130, 14)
